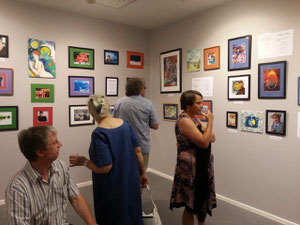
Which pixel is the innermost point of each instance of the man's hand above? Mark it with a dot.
(144, 181)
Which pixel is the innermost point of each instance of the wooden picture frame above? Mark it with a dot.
(238, 87)
(272, 80)
(6, 82)
(239, 53)
(79, 115)
(81, 86)
(4, 47)
(211, 58)
(111, 57)
(81, 58)
(170, 71)
(9, 118)
(276, 122)
(135, 60)
(42, 93)
(231, 119)
(42, 116)
(170, 111)
(111, 86)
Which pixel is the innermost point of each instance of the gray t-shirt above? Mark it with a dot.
(140, 113)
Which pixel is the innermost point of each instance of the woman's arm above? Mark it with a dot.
(77, 160)
(143, 178)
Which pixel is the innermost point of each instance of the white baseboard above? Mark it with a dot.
(236, 203)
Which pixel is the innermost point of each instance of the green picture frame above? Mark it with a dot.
(81, 58)
(42, 93)
(9, 118)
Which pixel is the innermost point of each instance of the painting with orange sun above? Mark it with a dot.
(272, 80)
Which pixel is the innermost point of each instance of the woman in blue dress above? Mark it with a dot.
(117, 167)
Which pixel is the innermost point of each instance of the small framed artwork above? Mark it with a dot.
(170, 71)
(3, 46)
(193, 60)
(135, 60)
(239, 53)
(298, 90)
(212, 58)
(42, 116)
(6, 81)
(9, 118)
(81, 86)
(79, 115)
(252, 121)
(111, 57)
(239, 87)
(111, 86)
(170, 111)
(272, 80)
(231, 119)
(275, 122)
(81, 58)
(42, 92)
(206, 105)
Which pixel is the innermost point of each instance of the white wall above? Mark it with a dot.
(250, 168)
(20, 22)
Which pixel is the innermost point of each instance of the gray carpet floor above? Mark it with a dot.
(224, 214)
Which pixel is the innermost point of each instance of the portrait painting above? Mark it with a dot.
(252, 121)
(193, 60)
(111, 57)
(276, 122)
(42, 116)
(239, 87)
(3, 46)
(41, 59)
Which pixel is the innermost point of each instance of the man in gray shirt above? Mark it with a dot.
(139, 112)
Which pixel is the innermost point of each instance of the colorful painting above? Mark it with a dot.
(170, 111)
(42, 93)
(193, 60)
(135, 60)
(3, 46)
(41, 59)
(170, 63)
(6, 81)
(81, 58)
(276, 122)
(272, 80)
(212, 58)
(81, 86)
(239, 53)
(9, 118)
(239, 87)
(111, 57)
(42, 116)
(231, 119)
(252, 121)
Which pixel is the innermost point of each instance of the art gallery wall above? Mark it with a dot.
(250, 168)
(20, 22)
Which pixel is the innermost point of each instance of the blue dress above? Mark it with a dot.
(117, 197)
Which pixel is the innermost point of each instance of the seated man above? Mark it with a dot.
(39, 193)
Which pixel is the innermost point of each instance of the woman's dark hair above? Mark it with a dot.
(188, 98)
(134, 86)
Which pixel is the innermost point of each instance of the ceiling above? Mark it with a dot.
(146, 14)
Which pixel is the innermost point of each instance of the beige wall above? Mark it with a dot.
(250, 168)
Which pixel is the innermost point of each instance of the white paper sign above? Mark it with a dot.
(111, 86)
(276, 44)
(203, 85)
(276, 138)
(232, 130)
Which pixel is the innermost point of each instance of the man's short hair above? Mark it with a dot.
(33, 139)
(188, 98)
(134, 86)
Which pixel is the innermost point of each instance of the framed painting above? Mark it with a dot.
(206, 105)
(170, 111)
(170, 71)
(231, 119)
(298, 90)
(41, 59)
(111, 57)
(81, 58)
(9, 118)
(272, 80)
(6, 81)
(81, 86)
(111, 86)
(79, 115)
(252, 121)
(42, 116)
(238, 87)
(42, 92)
(3, 46)
(276, 122)
(239, 53)
(212, 58)
(193, 60)
(135, 60)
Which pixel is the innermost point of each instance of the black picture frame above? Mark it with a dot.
(238, 87)
(81, 86)
(276, 122)
(10, 118)
(231, 119)
(111, 57)
(111, 86)
(4, 46)
(81, 58)
(79, 115)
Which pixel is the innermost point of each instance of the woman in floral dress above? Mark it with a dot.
(193, 186)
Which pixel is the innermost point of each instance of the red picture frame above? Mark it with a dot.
(135, 60)
(42, 116)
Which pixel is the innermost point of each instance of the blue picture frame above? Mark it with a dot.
(239, 53)
(272, 80)
(298, 90)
